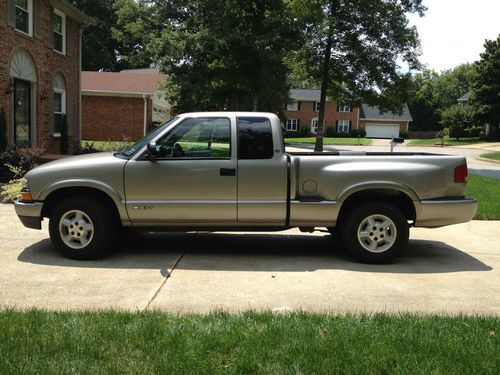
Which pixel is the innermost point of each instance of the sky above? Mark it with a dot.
(452, 32)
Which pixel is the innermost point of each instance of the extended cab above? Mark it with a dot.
(230, 171)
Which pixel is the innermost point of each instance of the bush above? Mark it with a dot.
(87, 148)
(330, 131)
(305, 131)
(12, 191)
(25, 158)
(3, 131)
(458, 132)
(361, 133)
(476, 131)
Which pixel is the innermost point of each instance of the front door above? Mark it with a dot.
(192, 179)
(314, 125)
(22, 113)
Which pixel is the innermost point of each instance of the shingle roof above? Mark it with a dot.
(305, 94)
(123, 82)
(373, 113)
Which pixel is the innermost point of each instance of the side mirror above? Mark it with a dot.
(152, 149)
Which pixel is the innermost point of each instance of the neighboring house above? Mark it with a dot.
(304, 111)
(40, 70)
(124, 105)
(489, 129)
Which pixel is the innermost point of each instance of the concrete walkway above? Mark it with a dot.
(454, 270)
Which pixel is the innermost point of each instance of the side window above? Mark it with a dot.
(255, 140)
(197, 138)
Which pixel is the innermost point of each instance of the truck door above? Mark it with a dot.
(262, 172)
(192, 180)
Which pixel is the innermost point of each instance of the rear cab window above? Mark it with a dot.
(255, 139)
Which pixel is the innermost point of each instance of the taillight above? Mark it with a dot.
(461, 173)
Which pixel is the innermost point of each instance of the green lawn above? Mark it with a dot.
(492, 155)
(330, 141)
(487, 192)
(447, 141)
(38, 342)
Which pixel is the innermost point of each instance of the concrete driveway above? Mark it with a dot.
(449, 270)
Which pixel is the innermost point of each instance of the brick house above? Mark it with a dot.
(123, 105)
(304, 111)
(40, 70)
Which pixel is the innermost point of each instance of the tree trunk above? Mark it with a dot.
(324, 78)
(255, 102)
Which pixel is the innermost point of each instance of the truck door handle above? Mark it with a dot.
(228, 172)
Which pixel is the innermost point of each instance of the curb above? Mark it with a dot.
(488, 160)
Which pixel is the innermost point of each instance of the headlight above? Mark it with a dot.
(25, 183)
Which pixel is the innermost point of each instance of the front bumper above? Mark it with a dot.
(439, 212)
(29, 213)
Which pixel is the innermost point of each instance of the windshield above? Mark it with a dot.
(142, 142)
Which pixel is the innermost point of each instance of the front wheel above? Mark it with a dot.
(81, 228)
(375, 232)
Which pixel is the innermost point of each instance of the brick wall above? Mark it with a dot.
(306, 113)
(114, 118)
(47, 64)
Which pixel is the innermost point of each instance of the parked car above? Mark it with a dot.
(230, 171)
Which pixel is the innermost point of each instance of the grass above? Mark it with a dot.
(39, 342)
(487, 191)
(330, 141)
(492, 155)
(447, 141)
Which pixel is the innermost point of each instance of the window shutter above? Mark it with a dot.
(350, 109)
(337, 125)
(69, 35)
(37, 19)
(298, 105)
(298, 124)
(338, 107)
(69, 114)
(11, 13)
(51, 110)
(51, 28)
(314, 106)
(350, 126)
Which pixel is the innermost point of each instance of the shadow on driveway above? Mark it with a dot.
(256, 252)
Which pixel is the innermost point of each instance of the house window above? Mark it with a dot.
(316, 106)
(343, 126)
(59, 30)
(344, 108)
(291, 125)
(293, 106)
(59, 98)
(24, 11)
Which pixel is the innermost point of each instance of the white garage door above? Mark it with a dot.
(382, 130)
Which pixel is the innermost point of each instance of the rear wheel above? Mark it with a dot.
(375, 232)
(81, 228)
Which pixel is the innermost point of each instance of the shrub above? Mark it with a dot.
(12, 190)
(361, 133)
(25, 158)
(476, 131)
(3, 131)
(305, 131)
(330, 131)
(86, 148)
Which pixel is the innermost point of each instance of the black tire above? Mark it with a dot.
(104, 227)
(391, 242)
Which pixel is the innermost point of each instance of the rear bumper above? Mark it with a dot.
(29, 214)
(439, 212)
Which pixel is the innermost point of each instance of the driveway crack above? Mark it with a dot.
(164, 282)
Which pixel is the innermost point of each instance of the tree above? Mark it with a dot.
(352, 48)
(98, 46)
(457, 119)
(226, 54)
(486, 84)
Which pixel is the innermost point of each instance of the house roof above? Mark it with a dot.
(465, 97)
(305, 94)
(73, 12)
(373, 113)
(121, 83)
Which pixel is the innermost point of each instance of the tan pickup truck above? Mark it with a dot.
(230, 171)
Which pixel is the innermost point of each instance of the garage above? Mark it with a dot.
(382, 130)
